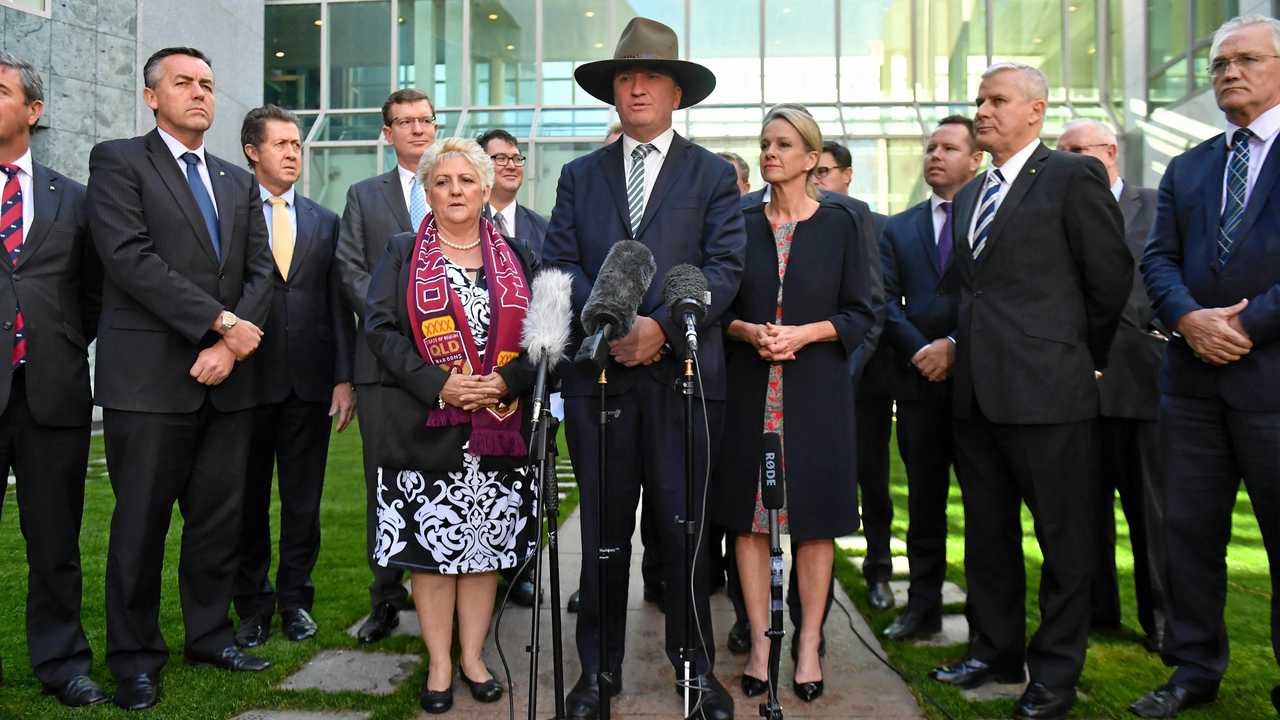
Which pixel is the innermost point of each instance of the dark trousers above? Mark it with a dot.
(651, 560)
(388, 582)
(925, 442)
(294, 436)
(1000, 467)
(156, 459)
(873, 426)
(1209, 448)
(1132, 465)
(645, 450)
(50, 464)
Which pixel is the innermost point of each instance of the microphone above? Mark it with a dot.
(610, 310)
(546, 328)
(685, 294)
(772, 473)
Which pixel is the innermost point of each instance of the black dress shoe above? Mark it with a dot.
(807, 691)
(253, 631)
(138, 692)
(713, 698)
(740, 637)
(914, 623)
(380, 623)
(297, 624)
(656, 593)
(435, 702)
(1169, 700)
(583, 700)
(486, 692)
(1038, 702)
(971, 673)
(879, 595)
(78, 692)
(231, 658)
(575, 602)
(752, 686)
(522, 592)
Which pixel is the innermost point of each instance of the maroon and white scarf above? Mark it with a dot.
(443, 337)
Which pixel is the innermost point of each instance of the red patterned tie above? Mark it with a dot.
(11, 234)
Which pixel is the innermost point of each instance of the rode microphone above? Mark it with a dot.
(610, 310)
(546, 329)
(773, 492)
(685, 294)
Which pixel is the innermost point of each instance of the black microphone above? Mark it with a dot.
(610, 310)
(546, 329)
(772, 473)
(685, 294)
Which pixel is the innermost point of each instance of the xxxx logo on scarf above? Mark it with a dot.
(444, 343)
(504, 357)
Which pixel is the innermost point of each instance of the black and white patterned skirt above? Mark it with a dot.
(455, 523)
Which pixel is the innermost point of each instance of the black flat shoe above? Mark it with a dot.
(1038, 702)
(138, 692)
(78, 691)
(485, 692)
(297, 624)
(740, 637)
(752, 686)
(435, 702)
(575, 602)
(808, 691)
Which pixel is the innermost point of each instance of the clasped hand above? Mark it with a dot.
(777, 343)
(1216, 334)
(472, 392)
(641, 346)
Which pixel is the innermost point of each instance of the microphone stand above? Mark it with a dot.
(604, 678)
(772, 710)
(687, 651)
(543, 446)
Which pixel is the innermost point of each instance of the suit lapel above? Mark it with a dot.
(1026, 178)
(394, 195)
(924, 229)
(672, 165)
(964, 207)
(611, 160)
(1211, 210)
(305, 236)
(1261, 194)
(224, 194)
(46, 193)
(162, 160)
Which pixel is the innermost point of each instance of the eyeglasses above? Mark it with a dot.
(822, 171)
(405, 123)
(500, 160)
(1246, 63)
(1080, 149)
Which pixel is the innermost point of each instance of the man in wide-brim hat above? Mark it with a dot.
(681, 201)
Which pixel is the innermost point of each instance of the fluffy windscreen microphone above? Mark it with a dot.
(684, 292)
(610, 310)
(547, 322)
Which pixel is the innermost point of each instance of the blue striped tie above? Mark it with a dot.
(417, 204)
(1237, 184)
(635, 186)
(986, 212)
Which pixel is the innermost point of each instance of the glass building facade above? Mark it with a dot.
(876, 74)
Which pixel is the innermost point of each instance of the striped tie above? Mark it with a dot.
(417, 204)
(1237, 185)
(11, 234)
(635, 186)
(986, 212)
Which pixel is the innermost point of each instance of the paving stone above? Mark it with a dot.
(352, 670)
(951, 593)
(300, 715)
(901, 566)
(955, 631)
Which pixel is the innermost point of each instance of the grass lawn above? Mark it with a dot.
(341, 579)
(1118, 669)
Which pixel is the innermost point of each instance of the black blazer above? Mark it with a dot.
(375, 211)
(411, 387)
(1040, 306)
(312, 338)
(1130, 388)
(164, 286)
(825, 280)
(58, 284)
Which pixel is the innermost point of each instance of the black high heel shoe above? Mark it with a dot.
(752, 686)
(808, 691)
(485, 692)
(436, 702)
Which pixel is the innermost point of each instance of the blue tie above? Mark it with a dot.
(417, 204)
(204, 202)
(1237, 185)
(986, 212)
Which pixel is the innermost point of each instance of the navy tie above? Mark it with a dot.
(204, 202)
(1237, 185)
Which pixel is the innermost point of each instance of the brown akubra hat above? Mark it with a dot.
(647, 43)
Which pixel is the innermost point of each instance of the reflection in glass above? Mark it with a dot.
(799, 51)
(350, 126)
(359, 54)
(516, 122)
(906, 185)
(953, 49)
(576, 32)
(574, 123)
(549, 158)
(875, 50)
(292, 52)
(1082, 24)
(726, 123)
(1168, 85)
(728, 43)
(1166, 32)
(503, 63)
(1209, 14)
(305, 121)
(333, 170)
(1030, 33)
(430, 36)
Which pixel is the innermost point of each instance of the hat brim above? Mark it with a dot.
(696, 82)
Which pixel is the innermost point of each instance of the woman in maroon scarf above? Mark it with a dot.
(446, 306)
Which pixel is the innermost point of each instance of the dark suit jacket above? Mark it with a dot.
(1130, 387)
(312, 338)
(1040, 306)
(58, 284)
(164, 285)
(692, 216)
(375, 211)
(1183, 273)
(410, 387)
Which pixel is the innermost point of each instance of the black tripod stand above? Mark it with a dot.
(544, 448)
(773, 496)
(688, 647)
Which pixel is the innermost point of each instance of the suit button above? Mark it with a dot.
(977, 293)
(16, 277)
(219, 275)
(8, 325)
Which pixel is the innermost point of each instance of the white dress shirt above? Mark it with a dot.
(1117, 188)
(1010, 170)
(1264, 128)
(266, 212)
(406, 183)
(652, 161)
(508, 214)
(26, 180)
(939, 215)
(178, 149)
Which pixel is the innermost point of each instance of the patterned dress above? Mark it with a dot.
(455, 523)
(782, 235)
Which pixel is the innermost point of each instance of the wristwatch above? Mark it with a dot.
(228, 320)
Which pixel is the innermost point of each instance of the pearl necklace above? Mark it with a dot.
(463, 248)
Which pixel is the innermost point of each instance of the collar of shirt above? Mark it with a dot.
(1013, 165)
(1263, 127)
(1118, 188)
(24, 165)
(178, 149)
(662, 143)
(937, 214)
(935, 201)
(508, 214)
(406, 177)
(288, 195)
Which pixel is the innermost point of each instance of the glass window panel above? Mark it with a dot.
(550, 157)
(503, 62)
(906, 180)
(746, 148)
(574, 123)
(516, 122)
(864, 157)
(1200, 67)
(741, 122)
(728, 43)
(1116, 66)
(667, 12)
(1082, 22)
(333, 170)
(359, 54)
(1030, 33)
(1166, 32)
(350, 126)
(953, 49)
(1209, 14)
(800, 51)
(35, 6)
(875, 50)
(431, 48)
(305, 122)
(292, 51)
(1169, 85)
(873, 121)
(581, 33)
